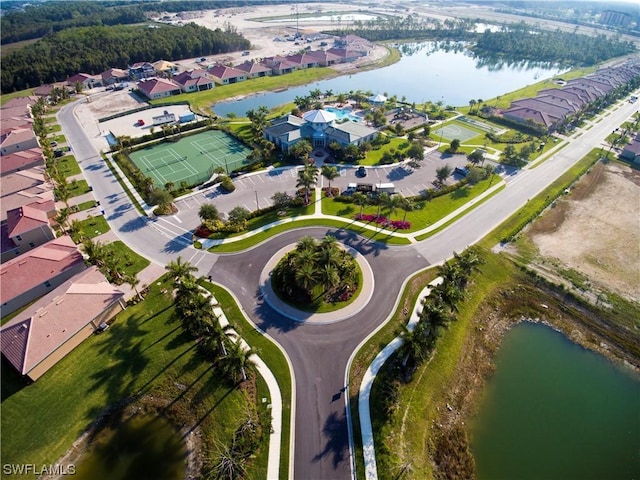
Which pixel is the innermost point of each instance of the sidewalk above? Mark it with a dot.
(368, 447)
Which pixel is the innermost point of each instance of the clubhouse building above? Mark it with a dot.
(319, 127)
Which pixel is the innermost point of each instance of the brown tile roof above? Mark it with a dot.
(37, 266)
(29, 217)
(20, 102)
(21, 160)
(16, 136)
(222, 72)
(40, 330)
(21, 188)
(156, 85)
(253, 67)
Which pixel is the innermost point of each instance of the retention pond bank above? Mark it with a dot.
(554, 410)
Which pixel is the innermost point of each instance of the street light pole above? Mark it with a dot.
(257, 204)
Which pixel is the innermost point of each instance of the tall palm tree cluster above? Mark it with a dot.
(316, 270)
(439, 308)
(194, 310)
(307, 178)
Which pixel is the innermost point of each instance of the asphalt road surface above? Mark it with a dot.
(319, 353)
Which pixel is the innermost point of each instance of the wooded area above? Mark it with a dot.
(95, 49)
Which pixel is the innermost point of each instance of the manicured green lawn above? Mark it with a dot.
(374, 156)
(144, 353)
(427, 213)
(78, 187)
(91, 227)
(131, 263)
(5, 97)
(270, 354)
(67, 165)
(85, 206)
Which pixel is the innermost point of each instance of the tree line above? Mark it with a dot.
(95, 49)
(36, 21)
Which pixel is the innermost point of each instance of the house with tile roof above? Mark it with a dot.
(631, 152)
(114, 75)
(254, 69)
(225, 75)
(319, 127)
(279, 65)
(14, 140)
(154, 88)
(303, 61)
(196, 80)
(37, 272)
(346, 55)
(23, 187)
(325, 59)
(87, 81)
(29, 226)
(14, 162)
(42, 335)
(23, 101)
(140, 70)
(46, 89)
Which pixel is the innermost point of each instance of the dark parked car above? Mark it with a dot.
(361, 172)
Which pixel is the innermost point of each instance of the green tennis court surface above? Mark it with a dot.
(192, 159)
(453, 130)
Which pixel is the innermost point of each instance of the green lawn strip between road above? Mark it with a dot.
(428, 212)
(260, 237)
(91, 228)
(270, 354)
(67, 165)
(130, 262)
(144, 354)
(115, 173)
(78, 187)
(84, 206)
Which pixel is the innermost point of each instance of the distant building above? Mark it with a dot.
(193, 81)
(154, 88)
(613, 18)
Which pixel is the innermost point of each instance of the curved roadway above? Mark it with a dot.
(319, 354)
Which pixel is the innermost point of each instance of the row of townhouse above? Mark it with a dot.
(553, 108)
(68, 300)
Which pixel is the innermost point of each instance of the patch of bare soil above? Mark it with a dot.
(595, 230)
(450, 445)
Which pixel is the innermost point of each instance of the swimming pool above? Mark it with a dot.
(344, 114)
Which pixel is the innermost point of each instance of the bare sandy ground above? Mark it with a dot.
(598, 234)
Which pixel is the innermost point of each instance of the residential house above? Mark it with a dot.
(154, 88)
(39, 337)
(531, 116)
(113, 76)
(15, 117)
(87, 81)
(325, 59)
(29, 226)
(47, 89)
(193, 81)
(631, 152)
(14, 140)
(279, 65)
(166, 68)
(303, 61)
(354, 42)
(140, 70)
(23, 187)
(24, 101)
(254, 69)
(37, 272)
(224, 75)
(319, 127)
(14, 162)
(346, 55)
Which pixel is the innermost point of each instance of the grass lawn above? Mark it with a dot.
(144, 354)
(54, 128)
(373, 156)
(78, 187)
(427, 213)
(84, 206)
(67, 165)
(91, 227)
(254, 240)
(271, 354)
(115, 173)
(130, 262)
(5, 97)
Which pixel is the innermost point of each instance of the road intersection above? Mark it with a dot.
(319, 354)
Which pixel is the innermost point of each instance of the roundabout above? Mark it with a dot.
(363, 294)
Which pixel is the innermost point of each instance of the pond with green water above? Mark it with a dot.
(554, 410)
(141, 448)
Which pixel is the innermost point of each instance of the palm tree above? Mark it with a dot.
(179, 270)
(236, 364)
(95, 252)
(407, 205)
(472, 102)
(442, 173)
(330, 173)
(306, 243)
(361, 200)
(134, 281)
(306, 277)
(330, 276)
(393, 204)
(307, 177)
(383, 200)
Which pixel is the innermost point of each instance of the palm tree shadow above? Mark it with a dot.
(267, 319)
(366, 246)
(335, 433)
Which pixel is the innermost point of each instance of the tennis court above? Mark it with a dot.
(453, 130)
(192, 159)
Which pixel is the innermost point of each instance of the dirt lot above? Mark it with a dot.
(595, 229)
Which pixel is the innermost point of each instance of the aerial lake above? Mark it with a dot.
(426, 71)
(554, 410)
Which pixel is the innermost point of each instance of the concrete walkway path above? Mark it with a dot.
(368, 447)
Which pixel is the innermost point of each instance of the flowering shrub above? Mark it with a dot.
(384, 221)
